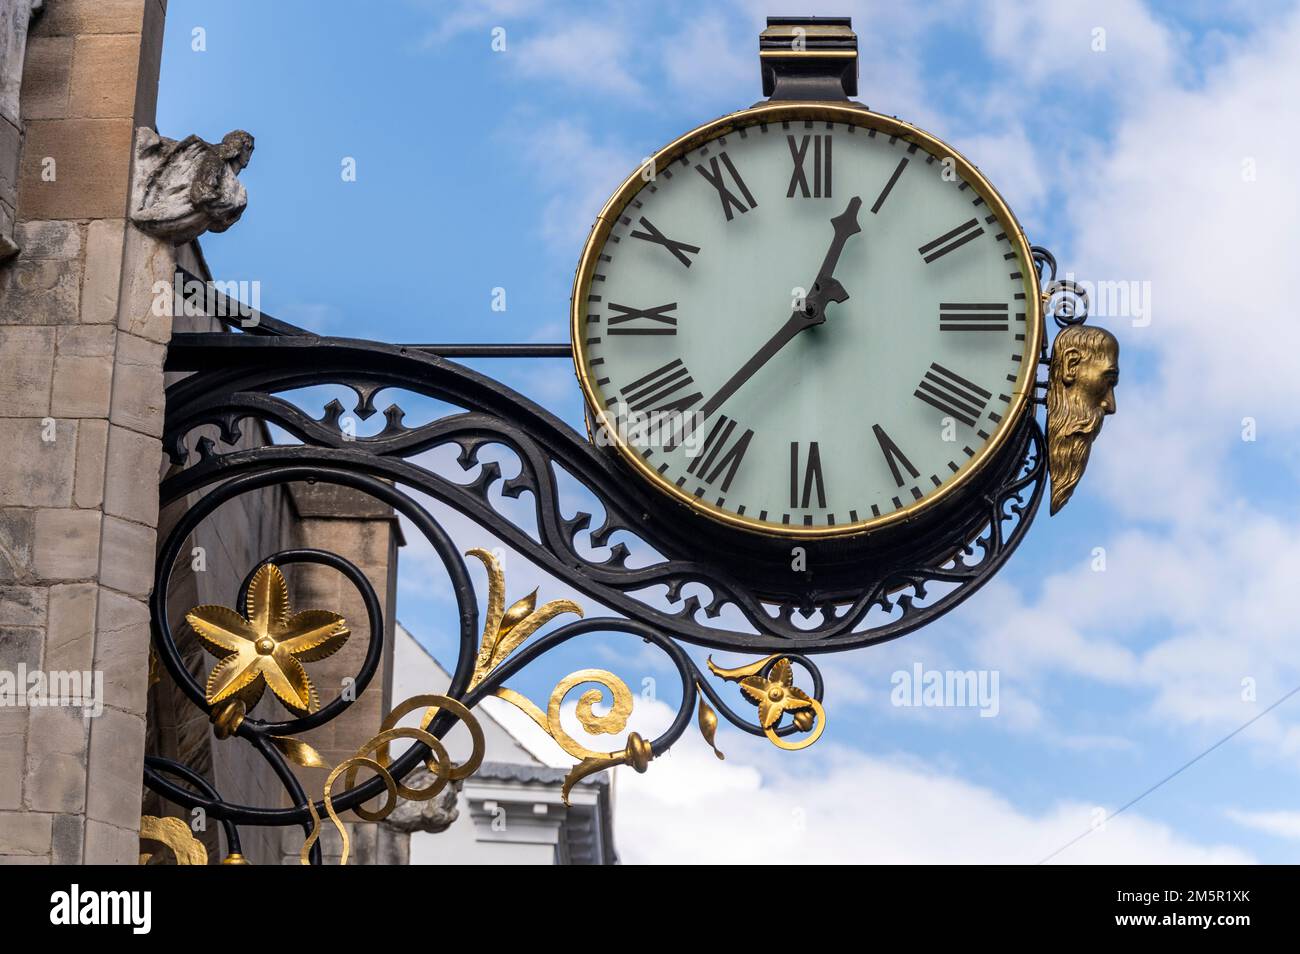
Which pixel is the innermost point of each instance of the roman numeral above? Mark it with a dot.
(821, 164)
(714, 177)
(884, 193)
(950, 240)
(952, 394)
(812, 474)
(973, 317)
(654, 393)
(681, 251)
(893, 456)
(719, 453)
(658, 321)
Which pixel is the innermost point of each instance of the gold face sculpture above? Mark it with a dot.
(1080, 393)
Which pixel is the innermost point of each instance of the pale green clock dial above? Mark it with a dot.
(841, 425)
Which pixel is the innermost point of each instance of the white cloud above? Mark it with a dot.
(845, 806)
(466, 16)
(1279, 824)
(1115, 44)
(587, 56)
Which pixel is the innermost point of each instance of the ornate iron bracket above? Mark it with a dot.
(635, 558)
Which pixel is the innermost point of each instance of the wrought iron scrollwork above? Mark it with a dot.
(1067, 300)
(239, 377)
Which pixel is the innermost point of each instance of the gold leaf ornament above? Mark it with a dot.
(505, 629)
(775, 696)
(708, 720)
(176, 835)
(267, 646)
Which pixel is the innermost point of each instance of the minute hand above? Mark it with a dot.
(825, 288)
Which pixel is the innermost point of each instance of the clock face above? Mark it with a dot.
(807, 320)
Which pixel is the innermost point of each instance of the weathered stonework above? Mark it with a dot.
(186, 188)
(15, 19)
(75, 571)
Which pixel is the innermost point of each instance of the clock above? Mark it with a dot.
(807, 320)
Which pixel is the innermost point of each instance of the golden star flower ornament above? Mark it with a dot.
(268, 647)
(775, 695)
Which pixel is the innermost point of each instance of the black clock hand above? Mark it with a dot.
(826, 288)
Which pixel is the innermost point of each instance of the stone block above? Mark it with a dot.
(75, 17)
(26, 365)
(83, 384)
(150, 60)
(92, 454)
(122, 651)
(103, 271)
(20, 645)
(37, 472)
(40, 291)
(46, 70)
(110, 845)
(104, 75)
(66, 842)
(116, 757)
(70, 636)
(23, 605)
(67, 544)
(13, 753)
(128, 556)
(138, 390)
(16, 543)
(56, 760)
(57, 240)
(25, 833)
(91, 160)
(131, 488)
(150, 269)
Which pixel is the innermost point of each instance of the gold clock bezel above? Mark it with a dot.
(827, 112)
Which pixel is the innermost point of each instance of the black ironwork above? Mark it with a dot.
(235, 378)
(809, 58)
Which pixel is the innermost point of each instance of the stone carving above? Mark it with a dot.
(432, 815)
(183, 189)
(15, 18)
(1081, 383)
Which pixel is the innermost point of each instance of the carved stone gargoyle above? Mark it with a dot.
(1081, 379)
(183, 189)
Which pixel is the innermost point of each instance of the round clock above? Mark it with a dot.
(807, 320)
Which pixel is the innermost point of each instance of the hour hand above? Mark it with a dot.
(829, 289)
(845, 225)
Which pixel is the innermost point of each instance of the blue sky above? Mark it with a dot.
(1154, 153)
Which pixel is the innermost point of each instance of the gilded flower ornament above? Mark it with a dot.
(775, 695)
(268, 647)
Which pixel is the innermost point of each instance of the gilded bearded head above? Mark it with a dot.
(1080, 393)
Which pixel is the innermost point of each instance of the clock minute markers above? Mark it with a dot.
(661, 316)
(826, 288)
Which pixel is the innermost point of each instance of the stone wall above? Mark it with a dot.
(81, 352)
